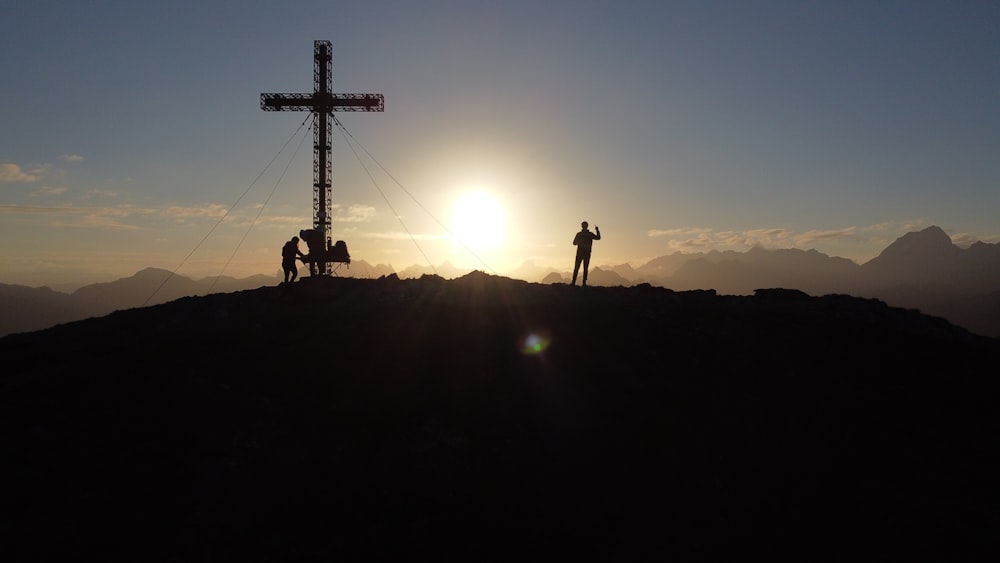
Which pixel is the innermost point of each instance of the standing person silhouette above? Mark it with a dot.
(584, 242)
(289, 253)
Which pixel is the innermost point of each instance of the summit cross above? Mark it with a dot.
(322, 103)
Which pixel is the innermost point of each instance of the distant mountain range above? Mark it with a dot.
(34, 308)
(921, 270)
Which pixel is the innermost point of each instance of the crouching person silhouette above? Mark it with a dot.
(314, 242)
(289, 253)
(584, 243)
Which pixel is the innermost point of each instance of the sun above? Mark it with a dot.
(477, 221)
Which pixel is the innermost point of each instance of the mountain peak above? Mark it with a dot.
(151, 272)
(932, 235)
(931, 242)
(925, 257)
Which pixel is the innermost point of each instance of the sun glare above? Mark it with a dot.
(477, 220)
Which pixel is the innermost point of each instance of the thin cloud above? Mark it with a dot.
(964, 240)
(894, 228)
(727, 240)
(126, 211)
(99, 193)
(768, 238)
(73, 217)
(356, 214)
(884, 233)
(688, 246)
(399, 235)
(180, 213)
(71, 158)
(13, 174)
(114, 211)
(291, 222)
(101, 222)
(653, 233)
(811, 237)
(48, 191)
(36, 209)
(768, 233)
(690, 240)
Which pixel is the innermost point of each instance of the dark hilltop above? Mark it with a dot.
(490, 419)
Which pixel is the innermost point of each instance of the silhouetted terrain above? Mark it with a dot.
(490, 419)
(921, 270)
(30, 308)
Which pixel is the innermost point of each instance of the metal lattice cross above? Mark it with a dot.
(322, 103)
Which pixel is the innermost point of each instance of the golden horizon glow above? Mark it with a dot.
(478, 221)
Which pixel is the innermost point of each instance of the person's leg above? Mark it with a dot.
(576, 268)
(586, 268)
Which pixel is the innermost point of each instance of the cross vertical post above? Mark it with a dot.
(322, 103)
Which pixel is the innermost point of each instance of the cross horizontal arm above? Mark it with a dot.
(322, 102)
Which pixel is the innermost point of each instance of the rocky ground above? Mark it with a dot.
(489, 419)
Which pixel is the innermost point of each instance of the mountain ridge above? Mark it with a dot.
(485, 418)
(921, 269)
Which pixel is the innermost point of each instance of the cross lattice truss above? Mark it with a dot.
(322, 103)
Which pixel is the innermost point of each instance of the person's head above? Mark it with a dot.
(295, 240)
(584, 225)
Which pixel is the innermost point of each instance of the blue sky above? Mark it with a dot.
(133, 135)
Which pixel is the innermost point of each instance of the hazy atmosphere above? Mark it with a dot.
(133, 135)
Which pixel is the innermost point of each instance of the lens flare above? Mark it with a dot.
(535, 344)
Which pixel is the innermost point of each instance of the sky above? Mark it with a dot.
(132, 133)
